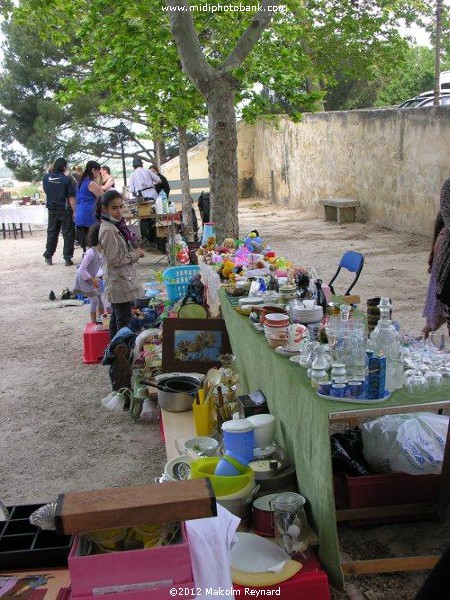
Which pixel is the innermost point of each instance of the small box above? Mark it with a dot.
(95, 340)
(384, 489)
(24, 546)
(129, 571)
(162, 232)
(252, 404)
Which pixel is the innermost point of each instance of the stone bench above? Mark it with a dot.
(341, 210)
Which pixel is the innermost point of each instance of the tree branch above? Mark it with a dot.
(182, 27)
(249, 37)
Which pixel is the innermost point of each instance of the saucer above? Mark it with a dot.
(286, 352)
(295, 358)
(264, 452)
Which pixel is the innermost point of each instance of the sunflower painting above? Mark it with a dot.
(197, 345)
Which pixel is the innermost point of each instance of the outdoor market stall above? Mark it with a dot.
(303, 423)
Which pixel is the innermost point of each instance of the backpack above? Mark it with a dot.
(193, 302)
(204, 205)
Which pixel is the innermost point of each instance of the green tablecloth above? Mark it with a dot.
(302, 423)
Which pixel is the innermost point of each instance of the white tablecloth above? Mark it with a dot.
(34, 215)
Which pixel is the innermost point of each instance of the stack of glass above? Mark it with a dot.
(347, 340)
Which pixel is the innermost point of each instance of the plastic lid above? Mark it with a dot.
(237, 426)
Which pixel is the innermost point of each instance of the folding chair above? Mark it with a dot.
(353, 262)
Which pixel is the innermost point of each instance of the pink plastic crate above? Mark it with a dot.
(162, 593)
(94, 343)
(131, 568)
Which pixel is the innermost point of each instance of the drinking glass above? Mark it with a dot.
(416, 384)
(436, 345)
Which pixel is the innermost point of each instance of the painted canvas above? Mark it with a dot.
(197, 345)
(193, 345)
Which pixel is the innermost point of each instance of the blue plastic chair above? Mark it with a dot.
(353, 262)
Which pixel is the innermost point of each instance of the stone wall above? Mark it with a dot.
(392, 161)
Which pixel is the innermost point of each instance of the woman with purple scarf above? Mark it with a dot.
(443, 254)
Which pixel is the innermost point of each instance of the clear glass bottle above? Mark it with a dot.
(385, 341)
(290, 522)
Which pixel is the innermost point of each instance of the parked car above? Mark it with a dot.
(425, 100)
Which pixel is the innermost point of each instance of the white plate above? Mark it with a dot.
(255, 554)
(295, 358)
(264, 452)
(251, 300)
(286, 352)
(357, 400)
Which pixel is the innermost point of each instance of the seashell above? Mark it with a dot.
(44, 517)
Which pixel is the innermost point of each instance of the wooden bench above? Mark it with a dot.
(341, 210)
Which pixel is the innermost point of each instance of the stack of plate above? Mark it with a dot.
(307, 315)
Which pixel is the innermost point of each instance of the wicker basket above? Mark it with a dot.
(144, 209)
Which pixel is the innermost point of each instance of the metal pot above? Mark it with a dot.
(176, 393)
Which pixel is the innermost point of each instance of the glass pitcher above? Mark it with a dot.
(290, 522)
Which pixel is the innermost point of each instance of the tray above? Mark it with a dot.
(24, 546)
(353, 400)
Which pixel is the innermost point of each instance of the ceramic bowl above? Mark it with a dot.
(202, 445)
(276, 320)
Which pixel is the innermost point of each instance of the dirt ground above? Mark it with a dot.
(55, 435)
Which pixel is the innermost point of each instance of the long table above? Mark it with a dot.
(303, 431)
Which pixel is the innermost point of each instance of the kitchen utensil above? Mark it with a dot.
(255, 554)
(175, 392)
(264, 429)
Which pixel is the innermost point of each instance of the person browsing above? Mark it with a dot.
(142, 185)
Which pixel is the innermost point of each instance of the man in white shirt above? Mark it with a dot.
(142, 181)
(142, 185)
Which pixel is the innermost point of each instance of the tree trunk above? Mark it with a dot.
(160, 152)
(186, 203)
(222, 158)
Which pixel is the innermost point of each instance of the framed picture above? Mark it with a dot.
(193, 344)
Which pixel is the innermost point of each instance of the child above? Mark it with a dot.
(87, 281)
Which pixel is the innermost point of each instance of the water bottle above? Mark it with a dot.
(165, 202)
(159, 205)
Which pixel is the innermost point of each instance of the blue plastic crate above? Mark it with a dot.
(176, 280)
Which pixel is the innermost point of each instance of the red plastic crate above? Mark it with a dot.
(310, 583)
(384, 490)
(94, 343)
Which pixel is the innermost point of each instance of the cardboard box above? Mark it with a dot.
(131, 572)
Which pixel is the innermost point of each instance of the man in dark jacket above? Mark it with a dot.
(164, 185)
(59, 189)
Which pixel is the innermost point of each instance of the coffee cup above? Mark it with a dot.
(264, 429)
(298, 336)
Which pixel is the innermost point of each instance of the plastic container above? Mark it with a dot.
(208, 232)
(384, 490)
(94, 343)
(230, 465)
(310, 583)
(222, 485)
(131, 567)
(238, 438)
(176, 280)
(25, 546)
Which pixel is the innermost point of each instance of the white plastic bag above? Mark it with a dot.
(410, 443)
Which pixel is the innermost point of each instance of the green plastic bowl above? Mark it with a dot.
(222, 485)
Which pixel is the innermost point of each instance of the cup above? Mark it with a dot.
(203, 418)
(297, 336)
(338, 390)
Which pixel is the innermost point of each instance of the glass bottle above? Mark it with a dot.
(320, 296)
(385, 341)
(290, 522)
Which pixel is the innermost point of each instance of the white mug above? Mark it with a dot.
(298, 336)
(264, 429)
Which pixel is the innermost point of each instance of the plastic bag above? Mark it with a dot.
(410, 443)
(346, 453)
